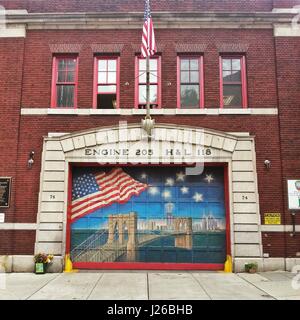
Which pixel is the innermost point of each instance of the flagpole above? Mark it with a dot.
(148, 88)
(148, 122)
(148, 48)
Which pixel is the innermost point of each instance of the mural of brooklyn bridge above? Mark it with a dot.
(148, 214)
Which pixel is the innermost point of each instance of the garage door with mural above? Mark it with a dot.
(147, 215)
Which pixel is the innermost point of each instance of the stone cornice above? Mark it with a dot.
(132, 20)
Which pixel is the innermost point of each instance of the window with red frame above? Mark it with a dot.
(190, 74)
(141, 83)
(64, 83)
(106, 93)
(233, 82)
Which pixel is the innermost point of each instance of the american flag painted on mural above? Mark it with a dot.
(148, 47)
(95, 191)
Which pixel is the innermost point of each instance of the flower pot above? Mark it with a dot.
(252, 270)
(40, 268)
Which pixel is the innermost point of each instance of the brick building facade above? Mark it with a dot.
(264, 34)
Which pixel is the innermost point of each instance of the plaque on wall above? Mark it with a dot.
(294, 194)
(272, 218)
(5, 185)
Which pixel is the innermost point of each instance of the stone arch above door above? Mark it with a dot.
(235, 149)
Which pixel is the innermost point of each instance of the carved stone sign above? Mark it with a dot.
(201, 151)
(5, 185)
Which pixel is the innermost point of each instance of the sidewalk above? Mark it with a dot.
(134, 285)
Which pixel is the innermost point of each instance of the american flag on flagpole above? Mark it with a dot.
(148, 47)
(94, 191)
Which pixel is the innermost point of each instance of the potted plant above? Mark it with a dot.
(251, 267)
(42, 260)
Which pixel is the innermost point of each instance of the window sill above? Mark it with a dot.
(154, 112)
(235, 111)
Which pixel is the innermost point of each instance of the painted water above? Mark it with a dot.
(207, 247)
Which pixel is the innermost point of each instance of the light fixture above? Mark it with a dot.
(267, 164)
(30, 159)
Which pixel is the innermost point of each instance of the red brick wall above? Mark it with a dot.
(260, 64)
(11, 64)
(138, 5)
(280, 244)
(17, 242)
(288, 71)
(285, 3)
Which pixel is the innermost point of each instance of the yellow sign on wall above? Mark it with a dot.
(272, 218)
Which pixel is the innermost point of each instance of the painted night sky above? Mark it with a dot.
(169, 191)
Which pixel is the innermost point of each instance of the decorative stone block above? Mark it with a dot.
(172, 135)
(242, 156)
(54, 176)
(243, 187)
(246, 237)
(67, 145)
(187, 136)
(53, 186)
(243, 145)
(54, 166)
(50, 236)
(244, 218)
(229, 145)
(160, 134)
(90, 140)
(246, 227)
(50, 226)
(247, 250)
(79, 142)
(52, 207)
(101, 137)
(113, 136)
(207, 140)
(134, 134)
(53, 146)
(22, 263)
(54, 156)
(54, 248)
(244, 207)
(51, 217)
(243, 176)
(217, 142)
(242, 166)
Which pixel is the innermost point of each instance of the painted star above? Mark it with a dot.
(153, 191)
(180, 176)
(209, 178)
(198, 197)
(143, 175)
(166, 194)
(170, 182)
(184, 190)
